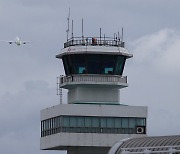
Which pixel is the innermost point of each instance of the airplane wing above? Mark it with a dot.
(18, 42)
(10, 42)
(24, 42)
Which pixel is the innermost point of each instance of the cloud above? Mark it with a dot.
(20, 117)
(161, 50)
(153, 75)
(162, 120)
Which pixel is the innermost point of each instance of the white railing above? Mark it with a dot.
(92, 78)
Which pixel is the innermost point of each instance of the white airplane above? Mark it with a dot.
(17, 41)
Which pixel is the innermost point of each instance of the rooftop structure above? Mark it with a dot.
(93, 119)
(147, 145)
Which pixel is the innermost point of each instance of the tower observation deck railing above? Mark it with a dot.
(94, 41)
(91, 78)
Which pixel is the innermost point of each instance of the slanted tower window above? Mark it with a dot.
(94, 64)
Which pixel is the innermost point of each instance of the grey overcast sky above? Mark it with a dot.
(28, 73)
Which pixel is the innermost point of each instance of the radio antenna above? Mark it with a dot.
(122, 34)
(118, 37)
(67, 31)
(100, 35)
(72, 30)
(82, 29)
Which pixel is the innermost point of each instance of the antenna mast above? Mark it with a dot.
(82, 29)
(118, 37)
(122, 34)
(72, 30)
(100, 35)
(67, 31)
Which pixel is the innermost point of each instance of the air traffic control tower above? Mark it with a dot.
(93, 119)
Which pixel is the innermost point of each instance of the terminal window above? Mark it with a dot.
(91, 124)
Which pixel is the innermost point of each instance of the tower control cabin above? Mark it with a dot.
(93, 119)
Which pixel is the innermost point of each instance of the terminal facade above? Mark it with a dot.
(93, 119)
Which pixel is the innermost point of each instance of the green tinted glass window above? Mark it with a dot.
(66, 65)
(140, 122)
(73, 122)
(124, 122)
(119, 65)
(108, 64)
(78, 62)
(66, 122)
(80, 121)
(132, 123)
(110, 122)
(81, 70)
(103, 122)
(88, 122)
(48, 124)
(42, 125)
(117, 122)
(95, 122)
(93, 64)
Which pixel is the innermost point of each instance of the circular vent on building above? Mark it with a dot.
(140, 130)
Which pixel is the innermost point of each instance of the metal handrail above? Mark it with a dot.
(94, 41)
(91, 78)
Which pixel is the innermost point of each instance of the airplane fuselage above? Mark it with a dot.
(17, 41)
